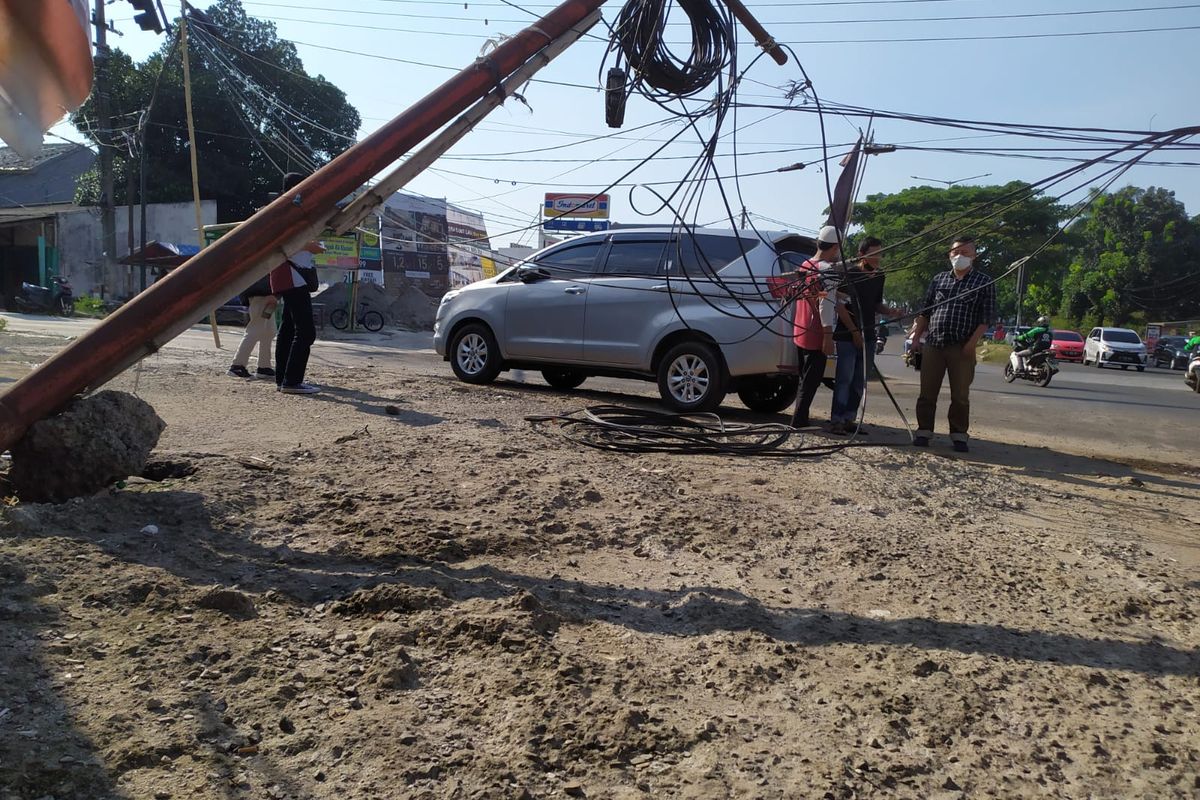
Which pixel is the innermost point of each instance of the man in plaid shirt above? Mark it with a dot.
(959, 306)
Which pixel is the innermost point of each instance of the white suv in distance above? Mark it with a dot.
(1110, 347)
(692, 311)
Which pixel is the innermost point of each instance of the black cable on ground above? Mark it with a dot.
(631, 430)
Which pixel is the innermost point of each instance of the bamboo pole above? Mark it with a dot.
(191, 125)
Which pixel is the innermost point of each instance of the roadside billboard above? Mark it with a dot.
(414, 230)
(467, 246)
(583, 206)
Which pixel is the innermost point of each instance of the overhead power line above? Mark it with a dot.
(773, 24)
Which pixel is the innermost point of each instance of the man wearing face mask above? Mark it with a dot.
(958, 308)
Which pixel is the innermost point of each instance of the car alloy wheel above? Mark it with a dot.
(691, 377)
(475, 356)
(472, 353)
(688, 378)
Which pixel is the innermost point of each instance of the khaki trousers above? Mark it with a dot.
(260, 332)
(936, 363)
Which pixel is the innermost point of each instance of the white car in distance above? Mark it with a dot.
(1114, 347)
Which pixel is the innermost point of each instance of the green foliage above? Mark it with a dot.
(3, 324)
(1137, 255)
(1001, 239)
(234, 171)
(90, 307)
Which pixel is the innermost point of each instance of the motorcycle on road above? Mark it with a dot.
(1192, 376)
(1039, 369)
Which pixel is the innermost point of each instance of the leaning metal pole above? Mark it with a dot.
(239, 258)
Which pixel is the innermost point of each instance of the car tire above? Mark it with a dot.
(474, 354)
(564, 379)
(691, 377)
(768, 394)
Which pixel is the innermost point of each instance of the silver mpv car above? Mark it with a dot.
(690, 310)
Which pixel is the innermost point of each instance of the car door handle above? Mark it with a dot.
(661, 287)
(574, 290)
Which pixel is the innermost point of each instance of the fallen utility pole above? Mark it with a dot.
(235, 261)
(296, 217)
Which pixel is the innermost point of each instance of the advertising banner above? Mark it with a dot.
(414, 231)
(583, 205)
(341, 252)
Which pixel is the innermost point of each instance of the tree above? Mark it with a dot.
(258, 114)
(1137, 252)
(1001, 239)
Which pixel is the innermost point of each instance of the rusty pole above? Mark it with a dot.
(240, 257)
(761, 37)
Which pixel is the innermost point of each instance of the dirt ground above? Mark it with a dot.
(450, 602)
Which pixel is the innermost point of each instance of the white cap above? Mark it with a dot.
(829, 235)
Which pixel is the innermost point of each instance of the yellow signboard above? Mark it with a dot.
(341, 252)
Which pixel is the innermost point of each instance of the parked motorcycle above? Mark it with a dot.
(54, 299)
(1039, 368)
(1192, 376)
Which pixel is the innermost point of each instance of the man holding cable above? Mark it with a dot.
(959, 306)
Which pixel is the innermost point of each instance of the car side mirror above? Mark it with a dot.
(531, 273)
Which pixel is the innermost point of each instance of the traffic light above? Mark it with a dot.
(148, 20)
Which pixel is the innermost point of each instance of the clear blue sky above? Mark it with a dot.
(1126, 80)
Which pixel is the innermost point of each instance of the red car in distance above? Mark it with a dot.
(1067, 346)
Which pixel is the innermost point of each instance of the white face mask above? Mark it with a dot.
(960, 262)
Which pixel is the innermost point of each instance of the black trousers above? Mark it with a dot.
(296, 335)
(812, 370)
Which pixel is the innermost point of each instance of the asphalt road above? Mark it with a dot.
(1152, 412)
(1148, 415)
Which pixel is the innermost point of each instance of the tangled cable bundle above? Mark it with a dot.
(632, 430)
(639, 33)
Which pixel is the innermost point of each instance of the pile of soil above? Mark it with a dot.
(320, 599)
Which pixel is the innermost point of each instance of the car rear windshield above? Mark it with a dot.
(703, 254)
(1173, 341)
(1124, 337)
(1068, 336)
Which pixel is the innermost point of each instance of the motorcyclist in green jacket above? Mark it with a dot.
(1034, 340)
(1193, 343)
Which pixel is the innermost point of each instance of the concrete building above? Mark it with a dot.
(65, 239)
(47, 178)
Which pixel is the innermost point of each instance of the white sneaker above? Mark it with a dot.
(300, 388)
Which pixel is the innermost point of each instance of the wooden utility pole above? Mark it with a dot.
(103, 136)
(191, 125)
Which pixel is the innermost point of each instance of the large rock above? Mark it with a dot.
(97, 441)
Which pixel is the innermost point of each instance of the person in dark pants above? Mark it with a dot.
(854, 335)
(296, 336)
(812, 330)
(959, 306)
(294, 281)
